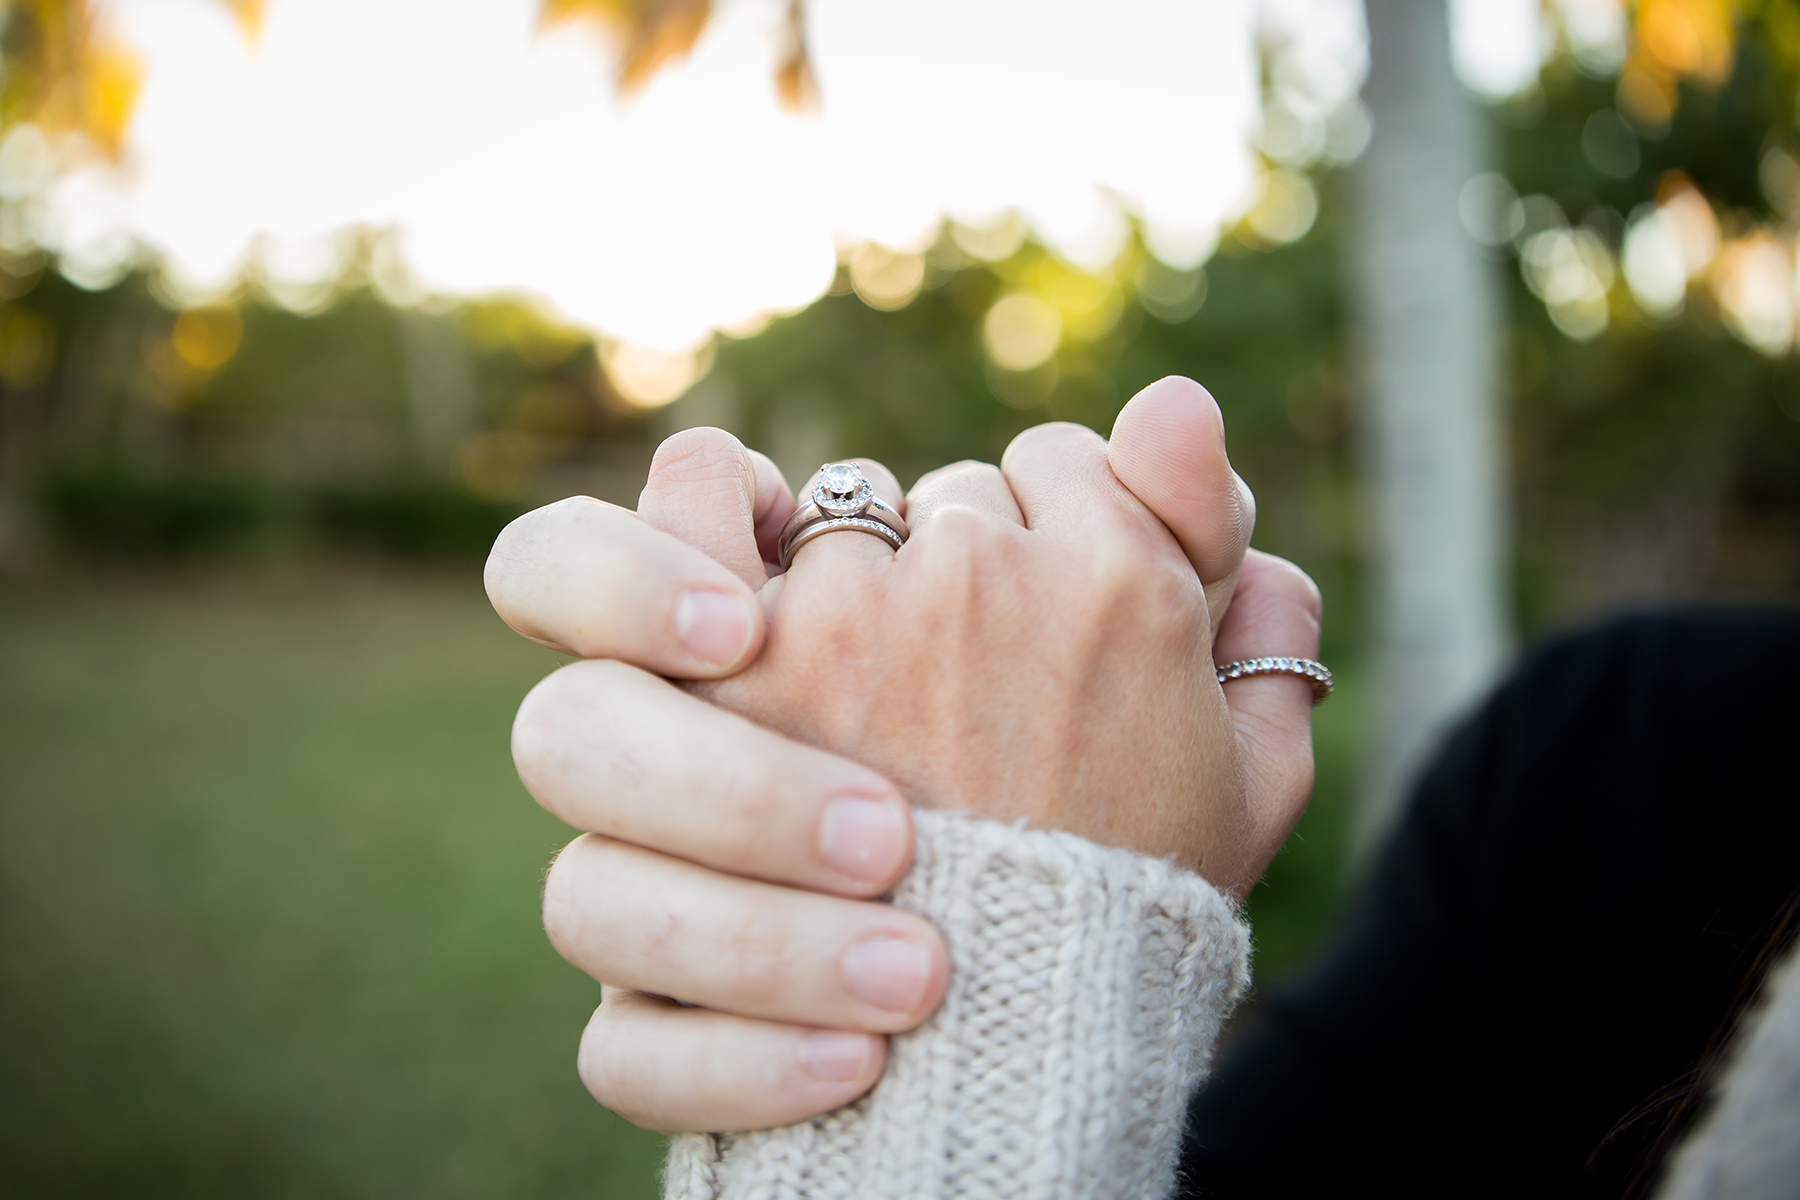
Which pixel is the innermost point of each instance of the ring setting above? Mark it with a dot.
(841, 498)
(842, 490)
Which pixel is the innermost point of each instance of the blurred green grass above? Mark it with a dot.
(269, 897)
(268, 900)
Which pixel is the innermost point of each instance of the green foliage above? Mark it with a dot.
(424, 519)
(107, 511)
(110, 513)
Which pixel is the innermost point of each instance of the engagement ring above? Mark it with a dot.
(841, 499)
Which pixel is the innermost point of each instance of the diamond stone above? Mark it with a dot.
(842, 490)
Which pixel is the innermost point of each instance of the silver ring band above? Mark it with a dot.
(1313, 671)
(841, 499)
(832, 525)
(877, 510)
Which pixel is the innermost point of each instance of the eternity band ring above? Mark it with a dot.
(1314, 672)
(841, 499)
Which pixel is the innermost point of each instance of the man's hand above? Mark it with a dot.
(1047, 651)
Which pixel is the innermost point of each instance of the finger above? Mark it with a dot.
(590, 579)
(1168, 447)
(832, 550)
(1277, 611)
(975, 485)
(1059, 476)
(703, 489)
(690, 1070)
(633, 918)
(774, 505)
(617, 751)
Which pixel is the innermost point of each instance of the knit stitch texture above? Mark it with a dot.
(1087, 987)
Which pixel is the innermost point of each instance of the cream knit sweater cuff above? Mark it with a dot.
(1087, 987)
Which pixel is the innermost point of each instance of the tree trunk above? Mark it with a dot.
(1426, 302)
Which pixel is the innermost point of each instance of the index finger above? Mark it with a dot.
(590, 579)
(619, 752)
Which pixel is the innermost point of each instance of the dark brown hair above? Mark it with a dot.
(1682, 1101)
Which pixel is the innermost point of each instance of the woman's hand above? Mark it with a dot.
(1042, 648)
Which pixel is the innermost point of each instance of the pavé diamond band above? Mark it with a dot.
(841, 499)
(1316, 673)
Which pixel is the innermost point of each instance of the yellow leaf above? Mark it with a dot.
(794, 82)
(109, 80)
(249, 14)
(1685, 39)
(655, 32)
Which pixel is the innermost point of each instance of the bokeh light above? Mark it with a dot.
(1021, 332)
(884, 278)
(491, 155)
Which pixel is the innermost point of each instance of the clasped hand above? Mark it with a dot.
(1041, 649)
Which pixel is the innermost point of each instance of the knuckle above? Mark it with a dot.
(503, 558)
(569, 511)
(561, 905)
(1120, 556)
(959, 532)
(541, 741)
(523, 533)
(1128, 572)
(701, 456)
(514, 556)
(603, 1065)
(968, 469)
(575, 691)
(1050, 434)
(533, 737)
(1052, 444)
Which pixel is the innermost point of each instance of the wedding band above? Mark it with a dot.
(1314, 672)
(841, 499)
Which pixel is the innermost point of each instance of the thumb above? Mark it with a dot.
(1168, 448)
(1276, 612)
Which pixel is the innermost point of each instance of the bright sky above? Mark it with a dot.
(503, 161)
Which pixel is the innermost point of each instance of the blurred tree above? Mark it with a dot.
(1426, 309)
(1653, 443)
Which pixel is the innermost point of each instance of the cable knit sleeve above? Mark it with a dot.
(1087, 987)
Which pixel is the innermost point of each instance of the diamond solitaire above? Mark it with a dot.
(841, 499)
(842, 490)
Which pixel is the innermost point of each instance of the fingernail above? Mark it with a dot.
(863, 838)
(833, 1057)
(889, 973)
(714, 627)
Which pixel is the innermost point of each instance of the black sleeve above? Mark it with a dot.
(1543, 949)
